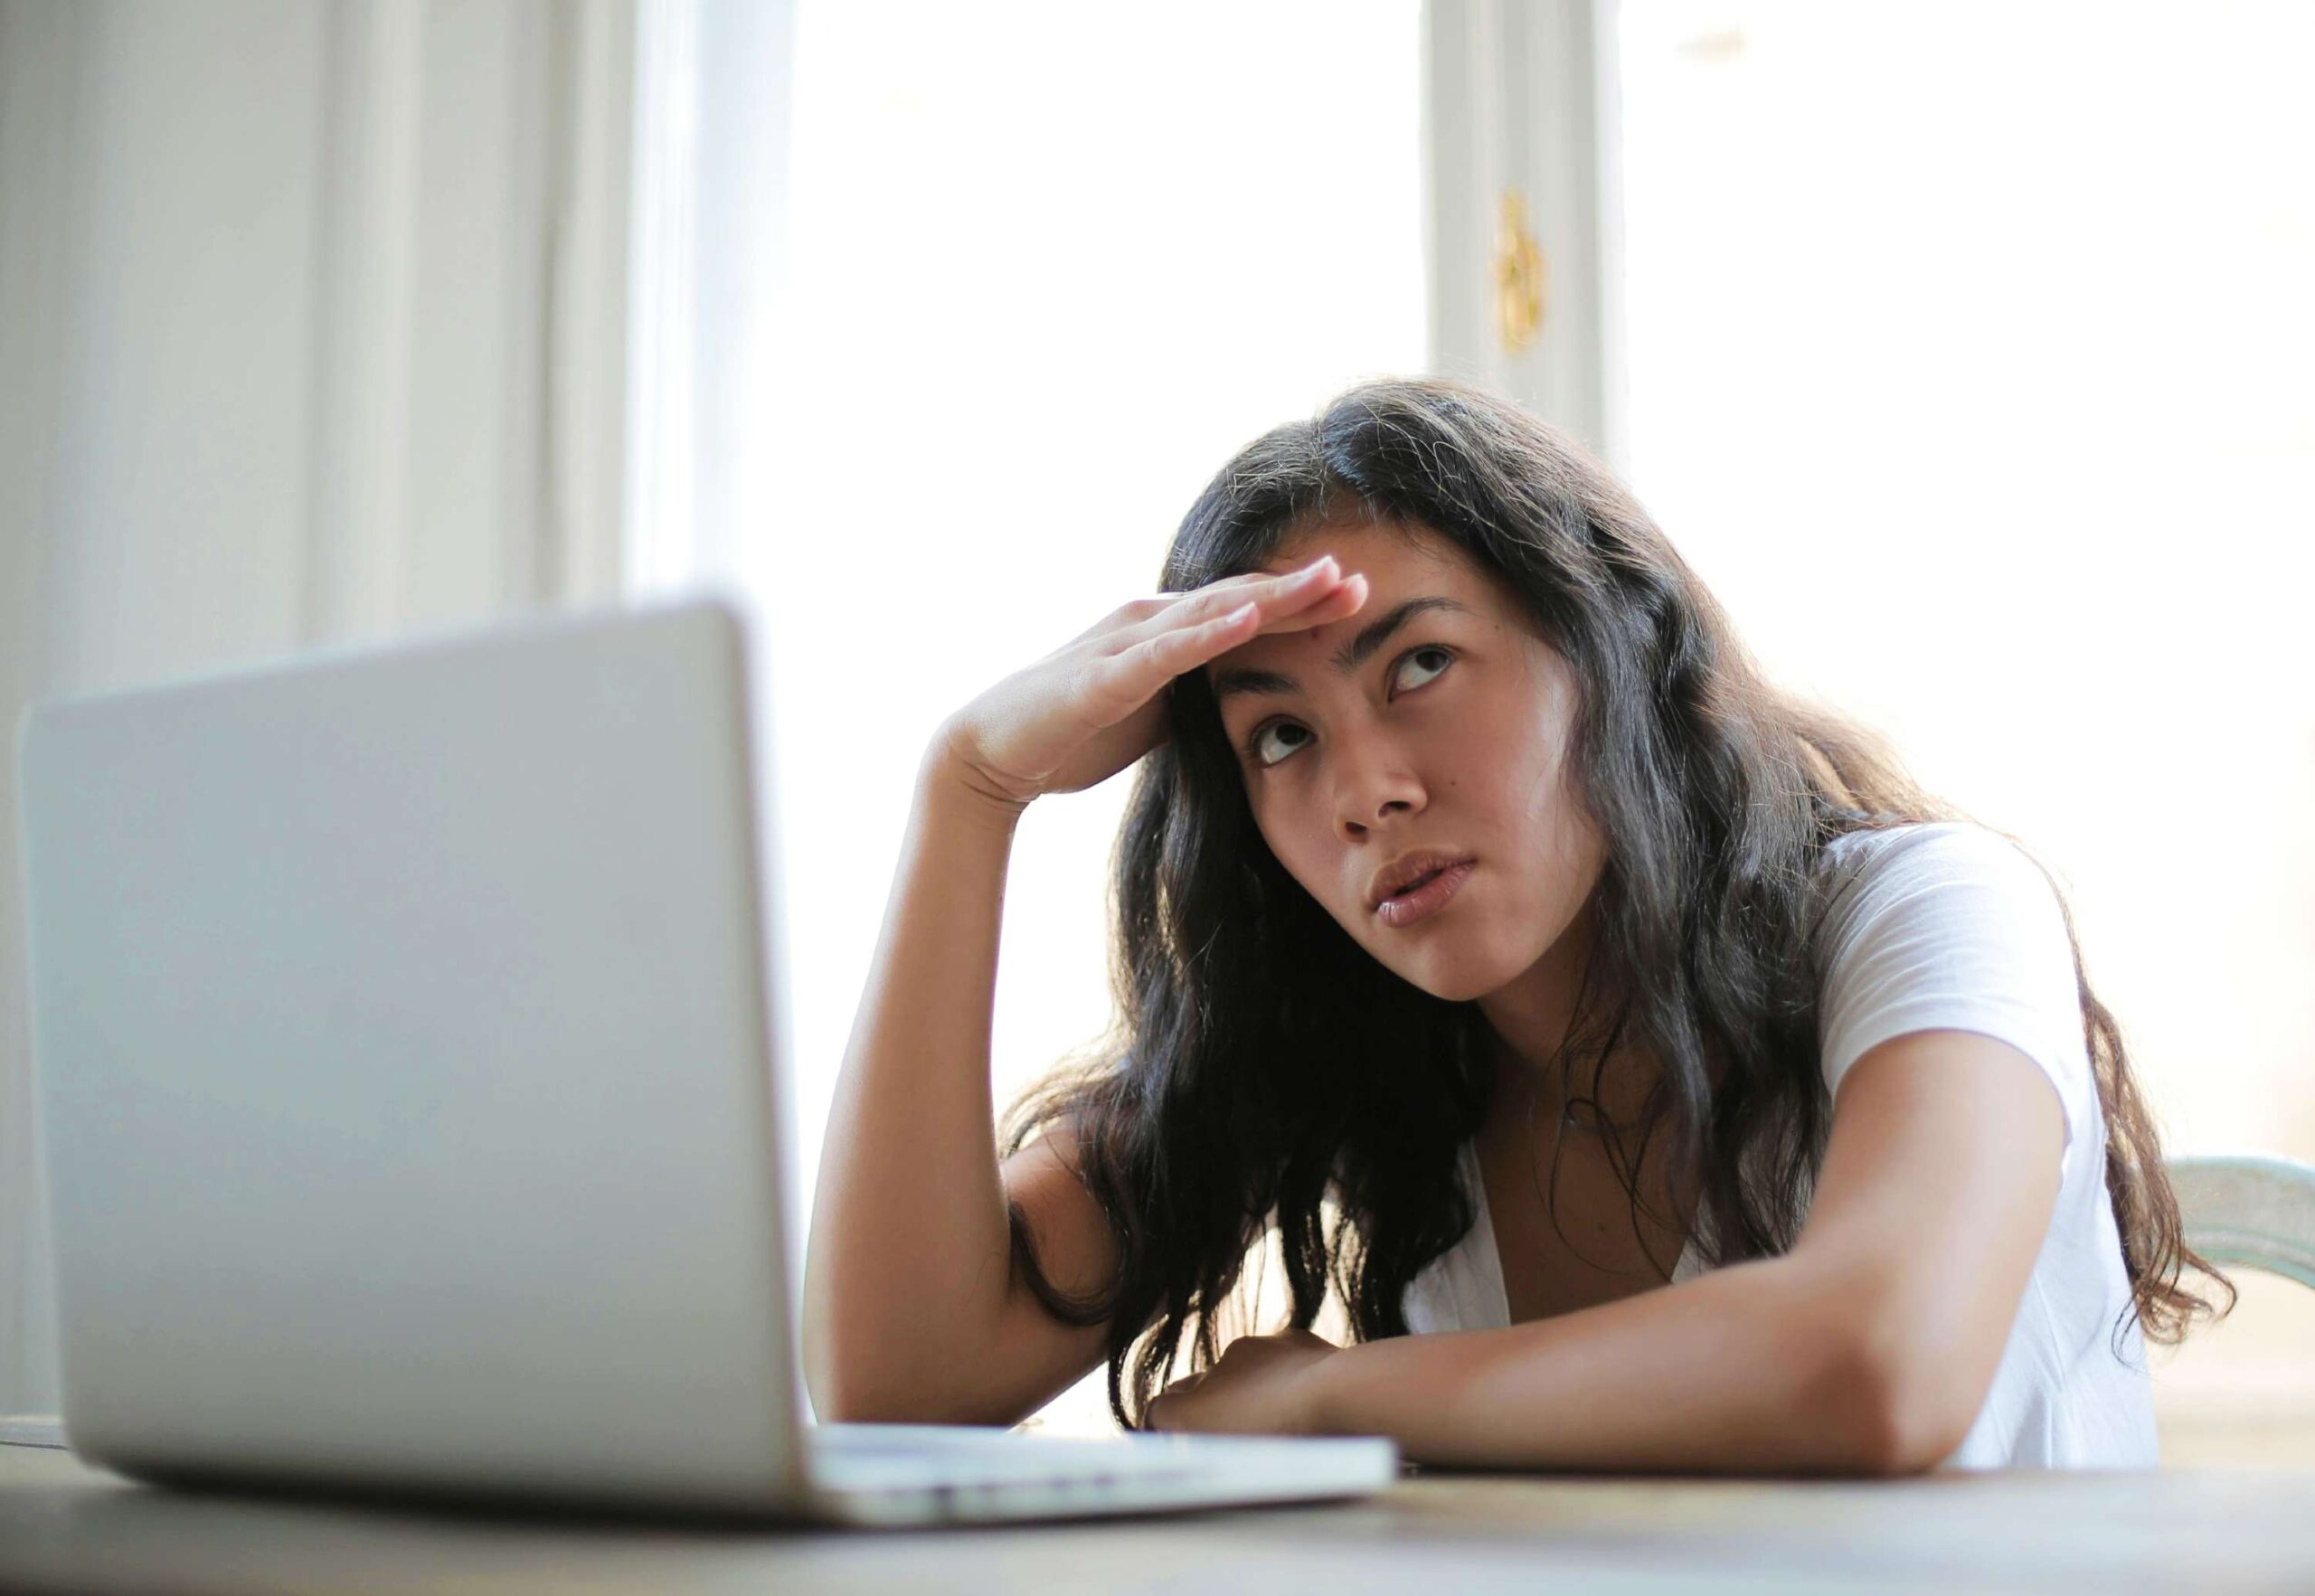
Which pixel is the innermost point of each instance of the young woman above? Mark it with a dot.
(1658, 1079)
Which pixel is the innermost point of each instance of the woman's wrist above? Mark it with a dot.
(1319, 1411)
(949, 781)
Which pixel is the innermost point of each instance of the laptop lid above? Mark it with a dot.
(405, 1072)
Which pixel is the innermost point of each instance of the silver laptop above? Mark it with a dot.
(408, 1051)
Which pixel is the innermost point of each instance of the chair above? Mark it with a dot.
(2248, 1211)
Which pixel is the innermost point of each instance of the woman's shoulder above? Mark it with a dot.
(1932, 892)
(1950, 840)
(1947, 925)
(1863, 873)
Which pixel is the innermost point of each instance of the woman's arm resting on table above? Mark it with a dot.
(1868, 1348)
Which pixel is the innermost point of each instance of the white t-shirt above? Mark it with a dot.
(1947, 927)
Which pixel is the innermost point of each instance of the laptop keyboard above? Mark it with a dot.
(871, 1457)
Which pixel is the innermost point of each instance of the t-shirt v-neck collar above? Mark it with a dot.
(1488, 1258)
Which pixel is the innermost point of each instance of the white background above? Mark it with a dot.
(1972, 360)
(1047, 269)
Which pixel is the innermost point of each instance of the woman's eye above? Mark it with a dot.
(1258, 744)
(1255, 744)
(1417, 654)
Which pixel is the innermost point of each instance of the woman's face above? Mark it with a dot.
(1432, 720)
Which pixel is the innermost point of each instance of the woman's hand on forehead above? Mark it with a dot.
(1097, 703)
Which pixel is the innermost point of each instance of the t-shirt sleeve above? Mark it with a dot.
(1949, 927)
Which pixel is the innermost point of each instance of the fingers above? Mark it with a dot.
(1344, 598)
(1138, 620)
(1141, 659)
(1117, 685)
(1278, 595)
(1122, 682)
(1287, 601)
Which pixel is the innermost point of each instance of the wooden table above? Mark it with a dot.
(66, 1526)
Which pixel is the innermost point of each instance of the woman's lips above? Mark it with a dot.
(1425, 898)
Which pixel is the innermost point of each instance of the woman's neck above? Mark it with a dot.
(1591, 1089)
(1533, 1011)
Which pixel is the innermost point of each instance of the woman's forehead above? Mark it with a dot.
(1386, 552)
(1404, 578)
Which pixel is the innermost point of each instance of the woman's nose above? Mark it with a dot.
(1375, 790)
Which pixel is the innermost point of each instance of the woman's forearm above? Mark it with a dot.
(1757, 1367)
(908, 1261)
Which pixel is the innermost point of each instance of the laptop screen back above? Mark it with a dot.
(404, 1070)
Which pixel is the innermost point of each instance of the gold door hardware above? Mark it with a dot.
(1520, 276)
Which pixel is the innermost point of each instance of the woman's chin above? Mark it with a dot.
(1455, 980)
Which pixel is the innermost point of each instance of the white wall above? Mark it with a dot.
(281, 287)
(1998, 429)
(1049, 265)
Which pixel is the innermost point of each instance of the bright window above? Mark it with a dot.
(1049, 266)
(1972, 360)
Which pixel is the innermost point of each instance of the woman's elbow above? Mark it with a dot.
(1901, 1411)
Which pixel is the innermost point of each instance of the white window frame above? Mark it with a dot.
(1520, 96)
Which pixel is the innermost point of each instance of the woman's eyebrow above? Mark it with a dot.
(1348, 658)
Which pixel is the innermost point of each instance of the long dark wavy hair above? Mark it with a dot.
(1263, 1067)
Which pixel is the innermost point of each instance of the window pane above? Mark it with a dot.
(1972, 360)
(1048, 267)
